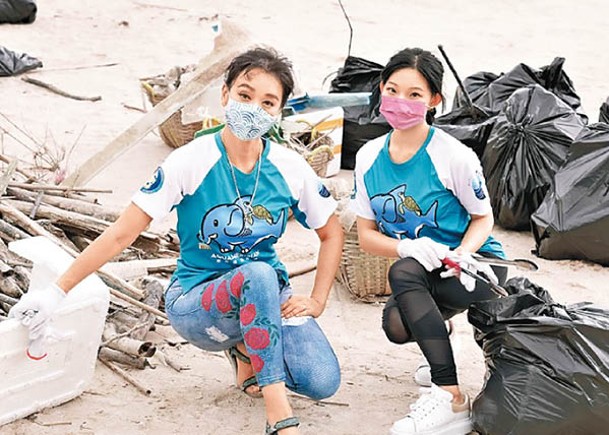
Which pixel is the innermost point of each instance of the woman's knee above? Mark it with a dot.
(392, 323)
(404, 272)
(396, 334)
(323, 380)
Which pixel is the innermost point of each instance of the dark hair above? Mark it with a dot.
(424, 62)
(266, 59)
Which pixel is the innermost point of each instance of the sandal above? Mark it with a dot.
(232, 354)
(282, 424)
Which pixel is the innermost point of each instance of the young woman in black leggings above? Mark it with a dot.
(420, 195)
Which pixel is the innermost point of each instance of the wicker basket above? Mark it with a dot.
(173, 132)
(318, 159)
(363, 274)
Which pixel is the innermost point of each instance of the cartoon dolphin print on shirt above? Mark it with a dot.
(400, 214)
(238, 225)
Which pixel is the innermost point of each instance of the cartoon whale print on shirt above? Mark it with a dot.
(233, 226)
(399, 214)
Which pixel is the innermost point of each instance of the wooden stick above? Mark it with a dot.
(122, 358)
(36, 229)
(127, 377)
(153, 290)
(10, 287)
(26, 174)
(126, 344)
(147, 5)
(66, 68)
(305, 269)
(12, 231)
(7, 299)
(231, 41)
(137, 109)
(48, 187)
(6, 176)
(58, 91)
(69, 204)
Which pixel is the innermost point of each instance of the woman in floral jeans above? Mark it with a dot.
(232, 191)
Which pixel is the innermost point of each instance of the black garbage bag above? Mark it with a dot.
(12, 63)
(573, 219)
(472, 126)
(358, 75)
(17, 11)
(604, 112)
(475, 85)
(490, 91)
(529, 142)
(547, 365)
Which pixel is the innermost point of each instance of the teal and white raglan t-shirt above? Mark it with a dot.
(217, 230)
(431, 195)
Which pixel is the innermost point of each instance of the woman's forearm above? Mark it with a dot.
(328, 259)
(478, 231)
(371, 240)
(110, 243)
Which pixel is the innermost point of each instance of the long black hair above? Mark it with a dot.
(424, 62)
(268, 60)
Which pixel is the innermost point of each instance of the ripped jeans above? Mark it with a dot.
(244, 306)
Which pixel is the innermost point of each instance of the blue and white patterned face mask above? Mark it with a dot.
(247, 121)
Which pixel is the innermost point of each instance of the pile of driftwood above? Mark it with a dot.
(73, 219)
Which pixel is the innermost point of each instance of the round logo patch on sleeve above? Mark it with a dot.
(156, 183)
(477, 187)
(323, 190)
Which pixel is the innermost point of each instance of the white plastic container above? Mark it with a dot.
(27, 385)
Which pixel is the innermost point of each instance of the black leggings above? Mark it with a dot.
(418, 306)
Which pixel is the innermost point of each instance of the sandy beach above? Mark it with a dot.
(147, 37)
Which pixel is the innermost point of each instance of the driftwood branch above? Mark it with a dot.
(68, 68)
(231, 41)
(126, 344)
(127, 377)
(58, 91)
(50, 188)
(67, 204)
(122, 358)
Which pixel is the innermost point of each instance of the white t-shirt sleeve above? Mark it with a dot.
(360, 202)
(158, 196)
(470, 185)
(315, 204)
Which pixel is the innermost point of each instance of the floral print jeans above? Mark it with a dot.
(244, 306)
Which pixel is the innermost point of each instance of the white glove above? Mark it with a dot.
(466, 261)
(35, 309)
(427, 252)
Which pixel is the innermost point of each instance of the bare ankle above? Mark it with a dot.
(458, 397)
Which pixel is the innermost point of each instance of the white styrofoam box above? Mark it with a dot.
(333, 122)
(27, 385)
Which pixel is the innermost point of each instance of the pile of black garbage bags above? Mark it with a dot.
(17, 12)
(547, 364)
(546, 169)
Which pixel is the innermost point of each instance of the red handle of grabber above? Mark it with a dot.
(451, 264)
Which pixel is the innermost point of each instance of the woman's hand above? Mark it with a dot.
(298, 306)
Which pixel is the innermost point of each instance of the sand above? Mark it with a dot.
(146, 38)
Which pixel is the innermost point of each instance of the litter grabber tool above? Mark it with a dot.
(520, 263)
(480, 276)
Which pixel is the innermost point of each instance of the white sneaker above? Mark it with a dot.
(422, 374)
(434, 414)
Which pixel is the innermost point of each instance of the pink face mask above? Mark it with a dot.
(402, 114)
